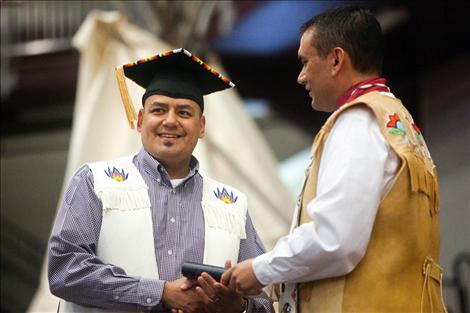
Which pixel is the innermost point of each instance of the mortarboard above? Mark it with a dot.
(177, 74)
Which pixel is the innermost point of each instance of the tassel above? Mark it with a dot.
(126, 99)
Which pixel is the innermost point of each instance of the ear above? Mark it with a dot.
(338, 57)
(202, 130)
(139, 120)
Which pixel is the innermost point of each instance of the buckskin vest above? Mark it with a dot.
(399, 271)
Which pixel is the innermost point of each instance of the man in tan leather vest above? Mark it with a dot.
(365, 234)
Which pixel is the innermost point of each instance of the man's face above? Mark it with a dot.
(316, 74)
(170, 128)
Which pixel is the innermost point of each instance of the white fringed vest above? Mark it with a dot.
(126, 236)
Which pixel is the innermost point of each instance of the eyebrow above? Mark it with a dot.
(157, 103)
(184, 106)
(178, 106)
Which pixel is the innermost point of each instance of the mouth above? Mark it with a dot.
(168, 137)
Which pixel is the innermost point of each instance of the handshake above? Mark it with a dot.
(208, 288)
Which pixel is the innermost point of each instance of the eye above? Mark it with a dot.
(156, 110)
(185, 113)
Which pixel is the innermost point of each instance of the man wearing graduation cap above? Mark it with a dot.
(126, 226)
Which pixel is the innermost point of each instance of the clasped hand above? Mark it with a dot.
(204, 295)
(242, 279)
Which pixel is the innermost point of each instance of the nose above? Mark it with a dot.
(301, 78)
(170, 119)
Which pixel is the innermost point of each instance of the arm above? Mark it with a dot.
(76, 274)
(251, 247)
(356, 169)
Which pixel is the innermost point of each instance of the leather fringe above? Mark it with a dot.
(423, 180)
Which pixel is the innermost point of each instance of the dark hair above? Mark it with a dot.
(353, 29)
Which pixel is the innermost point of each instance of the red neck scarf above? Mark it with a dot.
(368, 85)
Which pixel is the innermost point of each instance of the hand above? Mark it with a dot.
(179, 300)
(241, 279)
(217, 297)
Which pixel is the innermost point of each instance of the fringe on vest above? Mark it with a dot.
(118, 199)
(222, 218)
(422, 180)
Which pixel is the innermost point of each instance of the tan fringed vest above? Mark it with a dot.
(400, 271)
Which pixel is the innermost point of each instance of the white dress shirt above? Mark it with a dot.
(356, 170)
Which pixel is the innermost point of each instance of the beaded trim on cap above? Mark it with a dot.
(190, 55)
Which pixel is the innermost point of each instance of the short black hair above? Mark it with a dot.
(355, 30)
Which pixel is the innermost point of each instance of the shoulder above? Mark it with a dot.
(358, 112)
(126, 161)
(83, 174)
(209, 181)
(117, 172)
(80, 184)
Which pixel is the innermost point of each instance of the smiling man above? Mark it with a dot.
(365, 233)
(126, 226)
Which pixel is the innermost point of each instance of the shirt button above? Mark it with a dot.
(149, 300)
(173, 190)
(170, 252)
(116, 297)
(172, 219)
(159, 180)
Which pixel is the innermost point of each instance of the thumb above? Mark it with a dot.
(225, 279)
(187, 284)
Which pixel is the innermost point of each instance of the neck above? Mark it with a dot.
(346, 81)
(354, 79)
(176, 170)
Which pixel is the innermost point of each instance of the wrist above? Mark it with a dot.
(166, 295)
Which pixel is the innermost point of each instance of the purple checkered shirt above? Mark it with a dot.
(77, 275)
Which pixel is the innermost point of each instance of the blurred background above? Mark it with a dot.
(427, 64)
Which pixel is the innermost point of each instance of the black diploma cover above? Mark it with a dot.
(193, 270)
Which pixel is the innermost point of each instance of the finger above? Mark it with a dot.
(223, 291)
(203, 296)
(206, 286)
(232, 285)
(208, 278)
(228, 264)
(226, 277)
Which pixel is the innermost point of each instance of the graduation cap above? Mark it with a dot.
(177, 74)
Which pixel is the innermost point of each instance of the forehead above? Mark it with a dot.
(306, 42)
(165, 100)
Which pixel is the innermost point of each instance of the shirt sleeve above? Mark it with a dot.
(75, 272)
(357, 167)
(251, 247)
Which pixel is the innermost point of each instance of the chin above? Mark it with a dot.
(322, 107)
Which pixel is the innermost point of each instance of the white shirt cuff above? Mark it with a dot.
(263, 270)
